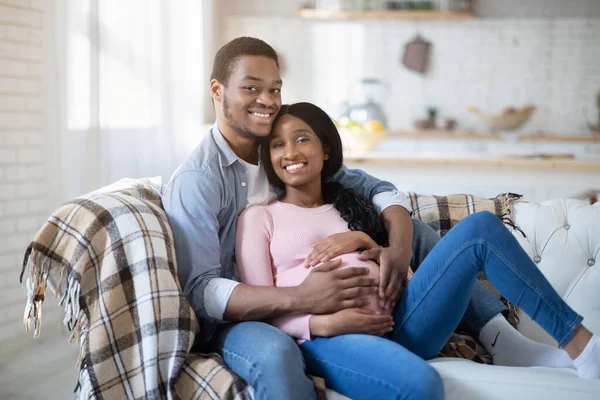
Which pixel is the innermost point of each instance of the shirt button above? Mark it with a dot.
(244, 184)
(567, 227)
(537, 259)
(591, 262)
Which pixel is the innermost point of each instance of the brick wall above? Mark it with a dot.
(25, 137)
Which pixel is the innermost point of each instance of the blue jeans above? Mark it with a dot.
(483, 305)
(265, 357)
(433, 303)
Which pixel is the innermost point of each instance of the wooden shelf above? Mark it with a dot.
(465, 135)
(325, 15)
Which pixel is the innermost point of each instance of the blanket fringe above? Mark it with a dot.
(37, 282)
(506, 201)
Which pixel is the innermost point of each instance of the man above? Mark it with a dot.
(217, 182)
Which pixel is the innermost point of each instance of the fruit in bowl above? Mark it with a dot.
(359, 138)
(511, 118)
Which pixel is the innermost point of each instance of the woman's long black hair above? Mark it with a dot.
(356, 210)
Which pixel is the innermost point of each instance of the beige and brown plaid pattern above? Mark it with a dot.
(110, 257)
(443, 212)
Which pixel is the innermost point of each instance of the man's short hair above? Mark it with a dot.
(230, 53)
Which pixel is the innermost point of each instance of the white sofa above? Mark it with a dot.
(563, 238)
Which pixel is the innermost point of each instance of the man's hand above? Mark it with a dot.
(338, 244)
(351, 320)
(327, 290)
(394, 266)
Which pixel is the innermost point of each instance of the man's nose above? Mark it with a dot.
(267, 99)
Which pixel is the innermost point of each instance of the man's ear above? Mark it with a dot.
(216, 90)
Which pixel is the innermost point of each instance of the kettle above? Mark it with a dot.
(369, 110)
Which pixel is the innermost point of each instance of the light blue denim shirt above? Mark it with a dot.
(203, 201)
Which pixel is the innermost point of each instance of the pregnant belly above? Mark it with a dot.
(296, 275)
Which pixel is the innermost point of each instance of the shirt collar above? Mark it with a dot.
(230, 156)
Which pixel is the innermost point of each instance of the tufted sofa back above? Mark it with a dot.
(563, 239)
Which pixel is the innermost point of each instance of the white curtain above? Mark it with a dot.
(134, 81)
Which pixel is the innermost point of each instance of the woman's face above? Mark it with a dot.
(297, 154)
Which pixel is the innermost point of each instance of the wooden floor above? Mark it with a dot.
(45, 369)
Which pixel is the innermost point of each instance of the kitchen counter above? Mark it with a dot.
(465, 160)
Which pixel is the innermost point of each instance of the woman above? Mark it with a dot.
(346, 348)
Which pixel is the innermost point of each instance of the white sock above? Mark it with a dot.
(509, 347)
(588, 362)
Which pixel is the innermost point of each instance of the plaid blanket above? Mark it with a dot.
(109, 256)
(443, 212)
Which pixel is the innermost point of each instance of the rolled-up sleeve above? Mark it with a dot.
(382, 193)
(192, 201)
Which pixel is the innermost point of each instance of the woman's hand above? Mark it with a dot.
(351, 320)
(337, 244)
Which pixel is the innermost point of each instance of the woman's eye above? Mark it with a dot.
(302, 140)
(276, 145)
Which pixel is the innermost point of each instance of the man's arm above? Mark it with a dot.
(192, 203)
(394, 208)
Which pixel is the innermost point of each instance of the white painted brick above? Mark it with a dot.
(17, 33)
(17, 242)
(31, 18)
(36, 172)
(8, 226)
(13, 67)
(27, 224)
(9, 191)
(14, 173)
(36, 36)
(12, 102)
(27, 190)
(7, 156)
(36, 138)
(14, 138)
(8, 260)
(16, 207)
(38, 205)
(35, 155)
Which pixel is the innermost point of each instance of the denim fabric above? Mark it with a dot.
(431, 307)
(482, 307)
(371, 367)
(437, 296)
(266, 358)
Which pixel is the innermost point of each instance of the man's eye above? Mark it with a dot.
(276, 91)
(250, 88)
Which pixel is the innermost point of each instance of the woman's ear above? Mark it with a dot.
(326, 156)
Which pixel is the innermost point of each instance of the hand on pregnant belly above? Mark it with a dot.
(338, 244)
(351, 320)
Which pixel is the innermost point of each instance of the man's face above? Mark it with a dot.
(252, 96)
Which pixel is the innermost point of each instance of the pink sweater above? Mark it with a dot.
(272, 244)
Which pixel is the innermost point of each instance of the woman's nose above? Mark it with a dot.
(290, 151)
